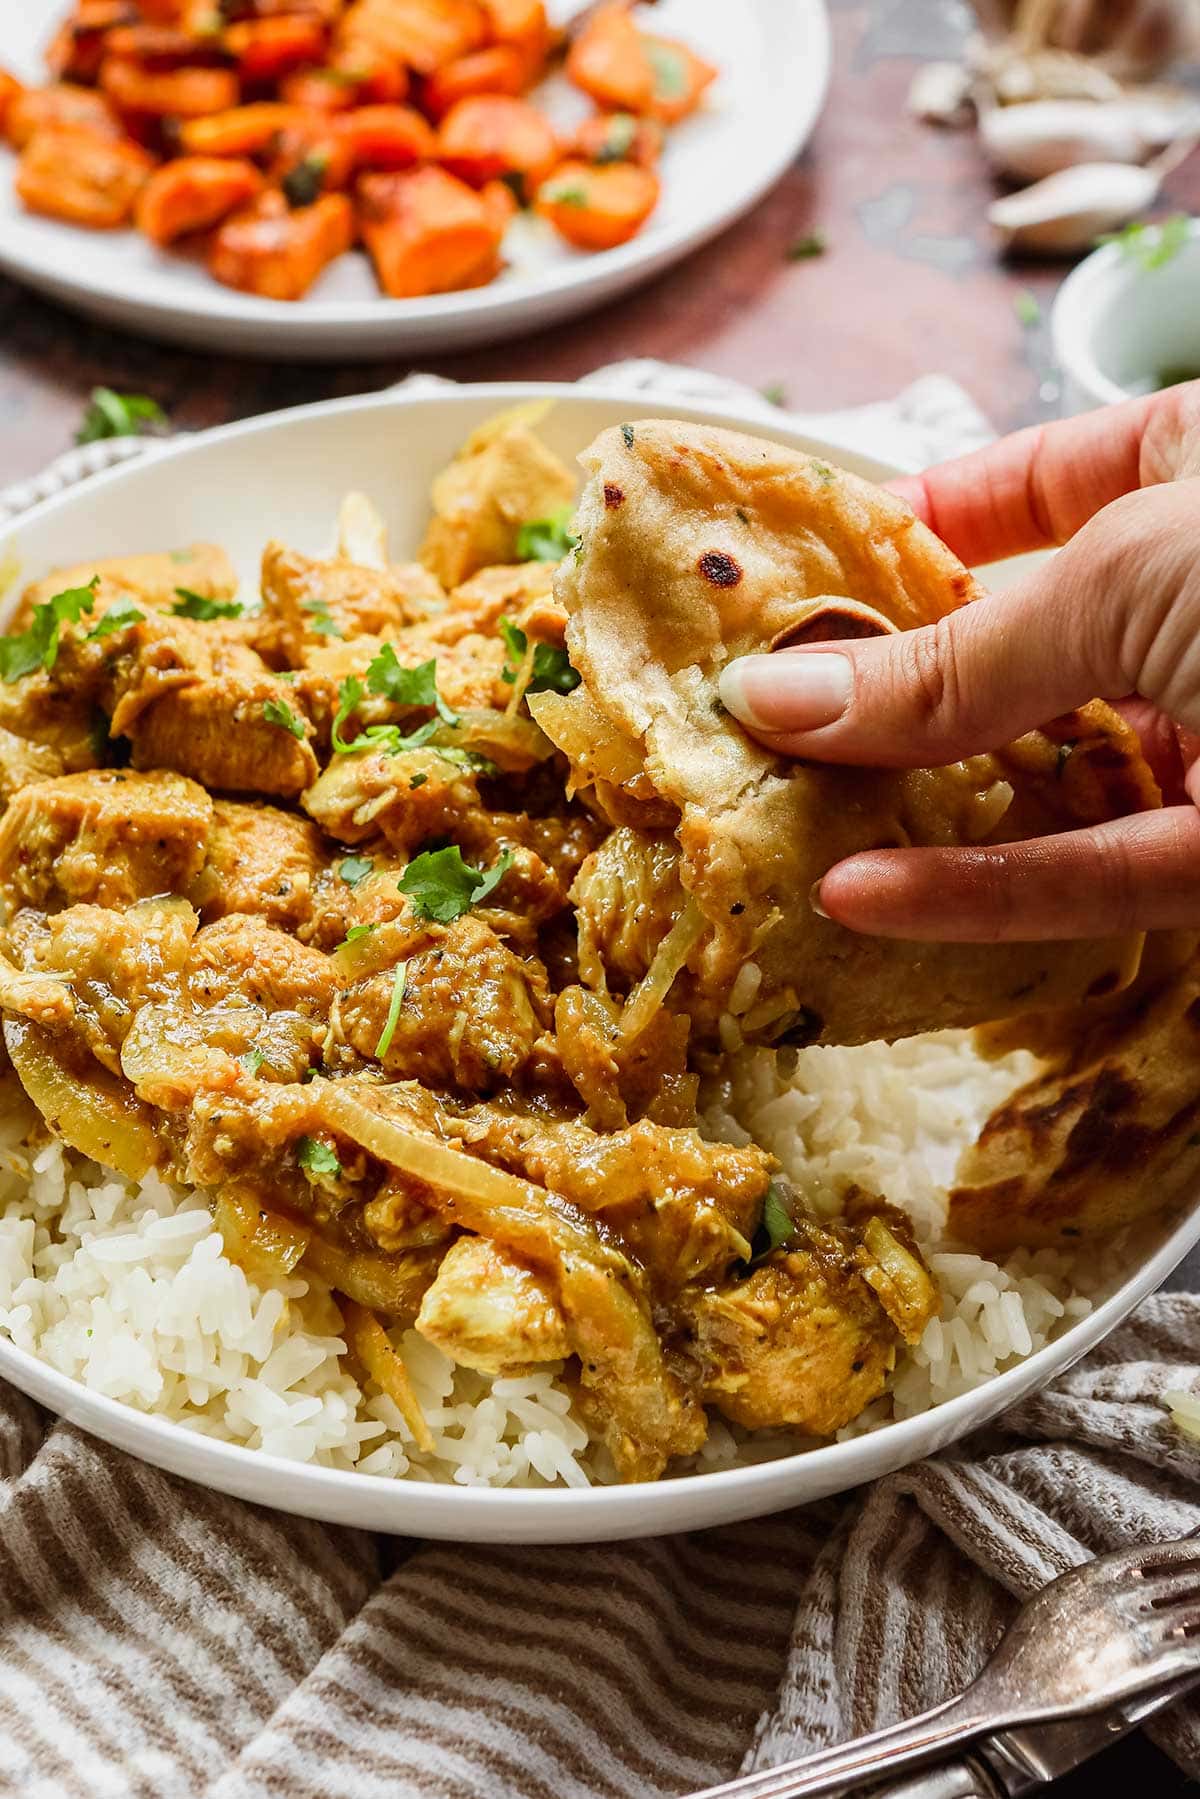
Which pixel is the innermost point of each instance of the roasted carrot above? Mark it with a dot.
(11, 91)
(83, 179)
(500, 69)
(72, 108)
(598, 208)
(492, 137)
(162, 46)
(427, 232)
(277, 251)
(680, 77)
(608, 61)
(193, 194)
(423, 34)
(385, 137)
(189, 93)
(268, 48)
(311, 159)
(522, 24)
(319, 90)
(77, 48)
(242, 131)
(500, 203)
(619, 137)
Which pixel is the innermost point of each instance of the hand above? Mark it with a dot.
(1115, 615)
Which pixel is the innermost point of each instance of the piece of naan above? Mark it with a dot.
(1107, 1131)
(699, 545)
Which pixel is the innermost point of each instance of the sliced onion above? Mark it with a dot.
(392, 1284)
(259, 1241)
(368, 1343)
(90, 1110)
(670, 956)
(515, 745)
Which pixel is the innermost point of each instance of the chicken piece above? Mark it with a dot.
(300, 593)
(619, 1077)
(260, 860)
(502, 478)
(802, 1342)
(245, 960)
(190, 699)
(478, 605)
(470, 1016)
(487, 1311)
(626, 896)
(152, 581)
(106, 837)
(407, 798)
(23, 760)
(469, 677)
(356, 890)
(83, 179)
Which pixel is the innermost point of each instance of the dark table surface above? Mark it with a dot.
(910, 281)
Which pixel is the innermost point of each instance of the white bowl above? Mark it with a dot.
(1118, 328)
(774, 62)
(283, 476)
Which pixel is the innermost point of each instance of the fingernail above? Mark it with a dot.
(814, 899)
(793, 691)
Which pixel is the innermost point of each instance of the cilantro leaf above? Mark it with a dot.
(388, 738)
(627, 436)
(670, 70)
(775, 392)
(302, 185)
(407, 686)
(317, 1159)
(442, 886)
(546, 539)
(122, 612)
(805, 248)
(109, 414)
(37, 647)
(356, 933)
(278, 712)
(1151, 244)
(198, 605)
(253, 1060)
(565, 196)
(551, 671)
(354, 869)
(619, 139)
(393, 1017)
(776, 1225)
(321, 619)
(1026, 307)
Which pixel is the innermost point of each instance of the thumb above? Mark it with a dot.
(1116, 612)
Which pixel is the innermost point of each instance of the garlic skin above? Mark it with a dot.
(1031, 141)
(1134, 41)
(1066, 212)
(940, 94)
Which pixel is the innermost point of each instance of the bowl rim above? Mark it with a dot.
(1106, 272)
(497, 1514)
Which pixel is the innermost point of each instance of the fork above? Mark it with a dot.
(1117, 1627)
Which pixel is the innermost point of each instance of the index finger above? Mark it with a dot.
(1033, 490)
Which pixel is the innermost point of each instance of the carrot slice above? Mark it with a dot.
(268, 48)
(241, 131)
(77, 48)
(60, 106)
(619, 137)
(385, 137)
(500, 203)
(427, 233)
(424, 34)
(608, 61)
(493, 136)
(194, 193)
(598, 208)
(81, 178)
(11, 90)
(189, 93)
(500, 69)
(522, 24)
(161, 46)
(276, 252)
(680, 77)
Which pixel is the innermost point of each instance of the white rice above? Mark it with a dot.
(124, 1286)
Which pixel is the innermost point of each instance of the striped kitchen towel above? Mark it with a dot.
(160, 1642)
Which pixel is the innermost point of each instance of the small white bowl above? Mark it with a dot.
(1118, 329)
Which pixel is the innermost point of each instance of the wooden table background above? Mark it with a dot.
(910, 282)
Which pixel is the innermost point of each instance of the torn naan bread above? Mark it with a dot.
(699, 545)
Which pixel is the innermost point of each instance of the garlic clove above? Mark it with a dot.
(1041, 137)
(1068, 211)
(940, 94)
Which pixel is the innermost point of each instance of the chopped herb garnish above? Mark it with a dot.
(775, 392)
(303, 184)
(552, 671)
(546, 539)
(565, 196)
(442, 886)
(356, 933)
(354, 869)
(1151, 245)
(670, 70)
(1027, 307)
(627, 434)
(317, 1159)
(417, 781)
(805, 248)
(278, 712)
(38, 646)
(824, 473)
(252, 1061)
(109, 414)
(320, 619)
(620, 138)
(775, 1226)
(122, 612)
(742, 514)
(407, 686)
(393, 1017)
(198, 605)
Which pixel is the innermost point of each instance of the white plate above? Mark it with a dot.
(774, 58)
(282, 476)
